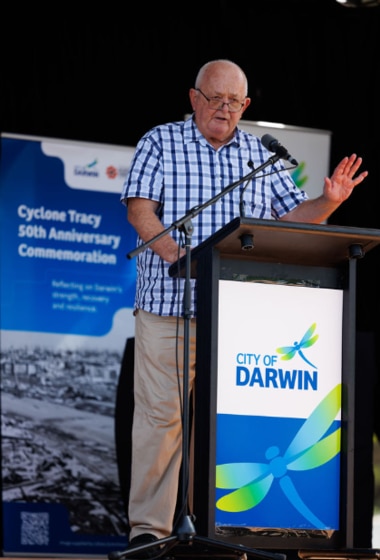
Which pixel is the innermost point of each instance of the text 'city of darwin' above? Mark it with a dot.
(269, 377)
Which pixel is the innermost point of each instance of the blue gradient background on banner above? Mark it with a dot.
(59, 539)
(27, 293)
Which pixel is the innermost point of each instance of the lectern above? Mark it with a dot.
(274, 396)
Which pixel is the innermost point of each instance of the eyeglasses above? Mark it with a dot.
(217, 103)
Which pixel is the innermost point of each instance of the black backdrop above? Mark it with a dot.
(107, 72)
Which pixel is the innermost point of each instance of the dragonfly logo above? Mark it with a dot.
(314, 444)
(288, 352)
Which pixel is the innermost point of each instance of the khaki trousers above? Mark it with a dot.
(157, 422)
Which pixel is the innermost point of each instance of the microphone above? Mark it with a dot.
(273, 145)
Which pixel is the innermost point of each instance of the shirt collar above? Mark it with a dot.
(192, 134)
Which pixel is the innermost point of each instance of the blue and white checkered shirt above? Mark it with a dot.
(174, 165)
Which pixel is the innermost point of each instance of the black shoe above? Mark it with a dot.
(144, 539)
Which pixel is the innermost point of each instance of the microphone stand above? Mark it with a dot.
(186, 533)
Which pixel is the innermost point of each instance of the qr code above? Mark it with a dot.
(34, 528)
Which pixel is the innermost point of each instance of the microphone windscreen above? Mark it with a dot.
(269, 142)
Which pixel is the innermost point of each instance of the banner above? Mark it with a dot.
(67, 292)
(309, 146)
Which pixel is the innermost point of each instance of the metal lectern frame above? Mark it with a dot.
(324, 254)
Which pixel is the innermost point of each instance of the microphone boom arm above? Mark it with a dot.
(178, 224)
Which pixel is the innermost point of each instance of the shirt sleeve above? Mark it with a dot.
(145, 175)
(286, 195)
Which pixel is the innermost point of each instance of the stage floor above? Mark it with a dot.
(375, 545)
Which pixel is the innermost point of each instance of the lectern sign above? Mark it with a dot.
(278, 406)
